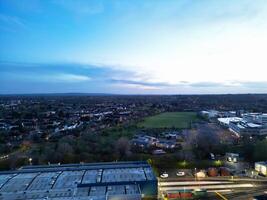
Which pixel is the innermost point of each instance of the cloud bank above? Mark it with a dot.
(125, 46)
(94, 78)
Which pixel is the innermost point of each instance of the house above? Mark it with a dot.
(167, 145)
(158, 152)
(261, 167)
(28, 124)
(232, 157)
(144, 141)
(3, 126)
(171, 135)
(139, 142)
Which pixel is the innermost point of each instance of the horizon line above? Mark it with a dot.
(123, 94)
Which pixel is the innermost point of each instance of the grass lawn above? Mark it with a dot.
(178, 120)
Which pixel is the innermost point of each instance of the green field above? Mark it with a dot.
(180, 120)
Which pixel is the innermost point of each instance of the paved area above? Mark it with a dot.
(239, 189)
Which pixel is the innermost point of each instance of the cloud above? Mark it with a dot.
(142, 83)
(11, 23)
(147, 85)
(71, 78)
(209, 41)
(255, 85)
(134, 86)
(34, 72)
(50, 77)
(205, 84)
(79, 75)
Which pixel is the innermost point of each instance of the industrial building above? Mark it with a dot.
(257, 118)
(247, 128)
(94, 181)
(209, 114)
(225, 121)
(250, 124)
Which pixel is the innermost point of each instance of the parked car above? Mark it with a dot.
(212, 156)
(164, 175)
(180, 173)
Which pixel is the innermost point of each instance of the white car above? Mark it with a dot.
(180, 173)
(164, 175)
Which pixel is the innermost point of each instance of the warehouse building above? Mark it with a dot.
(225, 121)
(250, 124)
(247, 128)
(96, 181)
(258, 118)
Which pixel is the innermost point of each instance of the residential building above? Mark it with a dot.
(232, 157)
(261, 167)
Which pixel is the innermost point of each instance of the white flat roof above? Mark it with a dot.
(227, 120)
(252, 125)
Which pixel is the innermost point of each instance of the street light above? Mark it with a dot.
(195, 174)
(30, 161)
(184, 163)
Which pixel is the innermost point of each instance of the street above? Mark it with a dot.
(217, 188)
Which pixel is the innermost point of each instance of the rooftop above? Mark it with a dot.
(227, 120)
(262, 163)
(75, 181)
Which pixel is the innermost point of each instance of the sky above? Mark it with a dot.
(133, 47)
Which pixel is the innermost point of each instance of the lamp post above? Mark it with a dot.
(195, 174)
(30, 161)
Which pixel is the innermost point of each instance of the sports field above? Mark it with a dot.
(180, 120)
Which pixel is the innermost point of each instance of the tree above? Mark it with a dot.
(260, 151)
(206, 142)
(64, 148)
(122, 147)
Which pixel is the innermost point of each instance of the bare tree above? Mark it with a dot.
(122, 147)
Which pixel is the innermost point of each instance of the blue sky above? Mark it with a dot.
(133, 47)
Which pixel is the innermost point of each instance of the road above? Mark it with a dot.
(239, 188)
